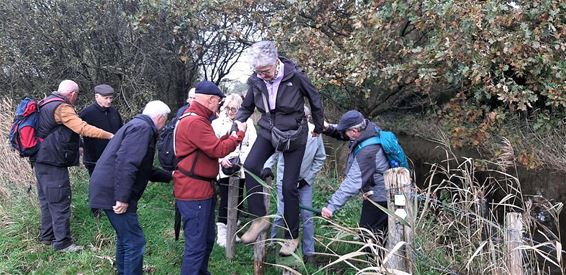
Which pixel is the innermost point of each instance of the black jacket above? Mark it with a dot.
(126, 165)
(289, 111)
(107, 119)
(60, 146)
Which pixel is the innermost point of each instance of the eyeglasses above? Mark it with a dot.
(220, 102)
(264, 72)
(232, 109)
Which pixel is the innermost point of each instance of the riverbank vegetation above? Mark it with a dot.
(484, 72)
(457, 227)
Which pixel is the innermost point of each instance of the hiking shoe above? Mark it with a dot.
(221, 234)
(71, 248)
(289, 247)
(309, 259)
(258, 226)
(46, 242)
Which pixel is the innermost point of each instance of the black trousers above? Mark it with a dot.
(373, 218)
(54, 194)
(260, 152)
(90, 168)
(223, 184)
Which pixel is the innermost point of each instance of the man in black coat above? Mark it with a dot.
(102, 115)
(120, 178)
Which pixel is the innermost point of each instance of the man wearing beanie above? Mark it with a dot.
(102, 115)
(198, 149)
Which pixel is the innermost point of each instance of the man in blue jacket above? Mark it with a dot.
(364, 172)
(120, 178)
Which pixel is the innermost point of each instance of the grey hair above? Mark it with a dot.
(264, 53)
(67, 86)
(359, 126)
(233, 98)
(156, 108)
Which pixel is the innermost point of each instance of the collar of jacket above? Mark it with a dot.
(368, 132)
(200, 110)
(57, 94)
(149, 121)
(102, 109)
(289, 69)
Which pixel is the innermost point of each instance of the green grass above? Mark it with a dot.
(20, 253)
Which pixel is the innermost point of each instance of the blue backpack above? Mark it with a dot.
(23, 132)
(390, 145)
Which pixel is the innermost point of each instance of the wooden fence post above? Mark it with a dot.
(232, 219)
(400, 202)
(514, 239)
(260, 245)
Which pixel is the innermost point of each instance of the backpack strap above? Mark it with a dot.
(370, 141)
(189, 173)
(175, 131)
(44, 102)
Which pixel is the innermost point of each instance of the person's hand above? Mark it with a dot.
(367, 195)
(314, 134)
(241, 126)
(120, 207)
(265, 173)
(326, 125)
(326, 213)
(226, 163)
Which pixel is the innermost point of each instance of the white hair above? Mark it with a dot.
(67, 86)
(264, 53)
(233, 98)
(156, 108)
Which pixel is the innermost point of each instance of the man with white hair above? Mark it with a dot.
(60, 127)
(120, 178)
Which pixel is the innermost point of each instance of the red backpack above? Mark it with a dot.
(23, 133)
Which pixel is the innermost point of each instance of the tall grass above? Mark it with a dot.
(458, 226)
(16, 174)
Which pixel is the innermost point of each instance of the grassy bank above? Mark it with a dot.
(21, 253)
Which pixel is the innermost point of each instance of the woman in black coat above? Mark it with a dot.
(277, 89)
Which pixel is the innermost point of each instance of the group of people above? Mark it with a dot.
(119, 159)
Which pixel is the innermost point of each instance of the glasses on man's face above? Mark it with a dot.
(264, 72)
(231, 109)
(220, 102)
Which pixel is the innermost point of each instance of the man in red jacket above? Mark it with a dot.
(198, 149)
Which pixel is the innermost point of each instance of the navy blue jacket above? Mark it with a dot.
(126, 165)
(107, 119)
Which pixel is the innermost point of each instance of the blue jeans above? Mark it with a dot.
(199, 230)
(305, 199)
(130, 242)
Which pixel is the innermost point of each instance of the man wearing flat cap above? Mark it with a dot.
(364, 171)
(198, 149)
(102, 115)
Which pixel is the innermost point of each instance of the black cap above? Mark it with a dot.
(208, 88)
(349, 119)
(103, 90)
